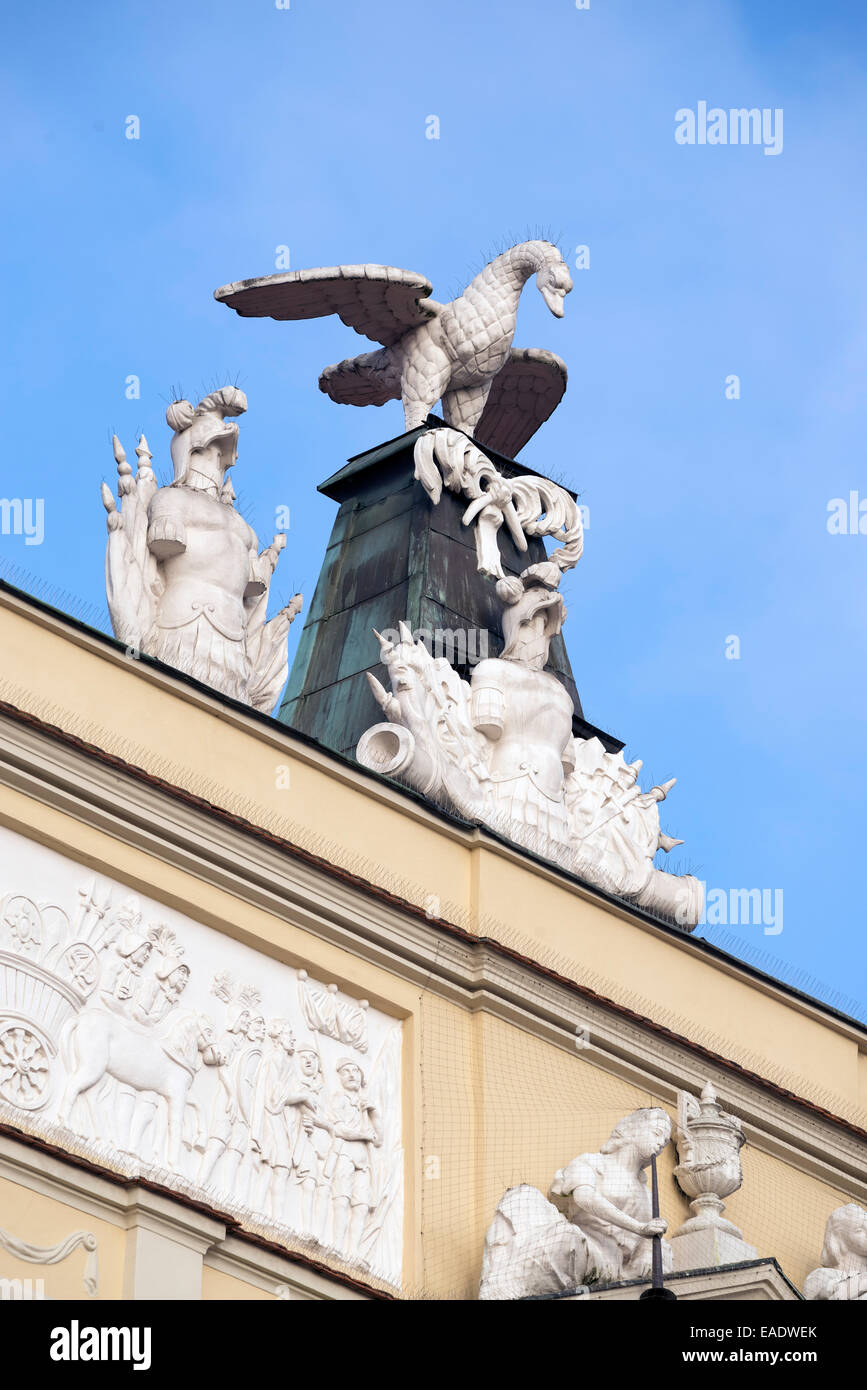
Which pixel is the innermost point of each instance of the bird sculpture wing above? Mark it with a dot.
(378, 301)
(523, 394)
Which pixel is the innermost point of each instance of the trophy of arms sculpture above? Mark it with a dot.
(185, 581)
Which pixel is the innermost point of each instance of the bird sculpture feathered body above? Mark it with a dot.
(459, 353)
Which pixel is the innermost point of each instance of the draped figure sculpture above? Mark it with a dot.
(599, 1230)
(842, 1273)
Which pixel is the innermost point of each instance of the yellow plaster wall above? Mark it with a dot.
(45, 1221)
(669, 981)
(502, 1107)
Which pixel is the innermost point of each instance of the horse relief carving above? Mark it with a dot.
(268, 1093)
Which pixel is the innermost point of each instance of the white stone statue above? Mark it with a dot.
(460, 353)
(607, 1196)
(842, 1274)
(709, 1143)
(529, 506)
(500, 751)
(184, 577)
(601, 1232)
(531, 1249)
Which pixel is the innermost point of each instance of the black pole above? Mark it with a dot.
(657, 1288)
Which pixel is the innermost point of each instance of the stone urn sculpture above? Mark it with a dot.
(709, 1142)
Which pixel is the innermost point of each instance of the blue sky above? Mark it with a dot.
(305, 127)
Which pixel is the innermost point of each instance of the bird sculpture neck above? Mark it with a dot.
(514, 267)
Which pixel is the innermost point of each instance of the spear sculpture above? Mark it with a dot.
(657, 1288)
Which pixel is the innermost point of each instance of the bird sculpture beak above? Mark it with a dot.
(554, 299)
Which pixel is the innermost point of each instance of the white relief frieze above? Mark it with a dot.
(326, 1012)
(161, 1047)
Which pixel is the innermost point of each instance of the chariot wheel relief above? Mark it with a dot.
(24, 1067)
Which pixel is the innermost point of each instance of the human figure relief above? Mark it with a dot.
(185, 580)
(310, 1133)
(236, 1171)
(103, 1053)
(224, 1111)
(291, 1130)
(269, 1136)
(170, 978)
(120, 985)
(357, 1126)
(121, 979)
(231, 1117)
(157, 996)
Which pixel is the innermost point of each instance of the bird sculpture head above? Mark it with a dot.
(554, 283)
